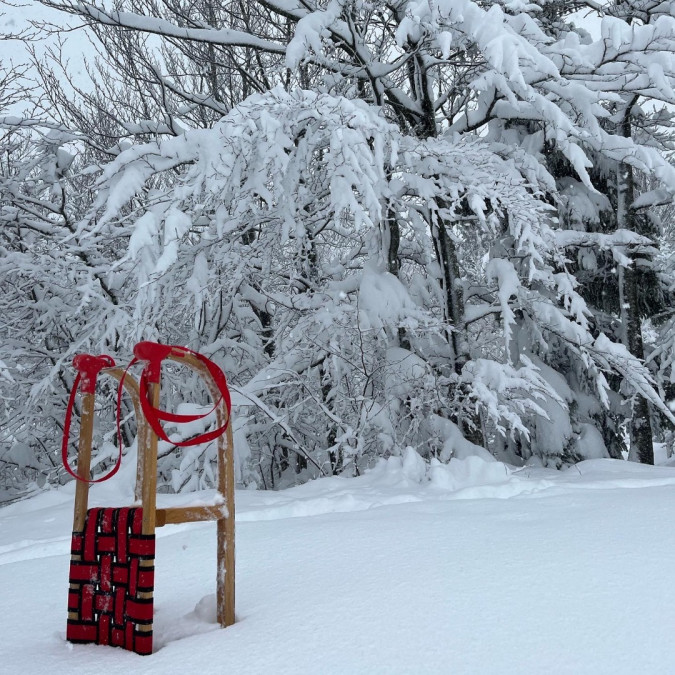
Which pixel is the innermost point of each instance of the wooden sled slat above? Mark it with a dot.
(189, 514)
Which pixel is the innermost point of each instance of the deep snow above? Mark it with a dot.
(466, 568)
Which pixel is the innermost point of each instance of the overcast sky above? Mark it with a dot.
(16, 18)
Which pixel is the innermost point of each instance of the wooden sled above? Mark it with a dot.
(110, 600)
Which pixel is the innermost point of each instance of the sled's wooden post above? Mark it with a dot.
(149, 484)
(84, 460)
(226, 563)
(84, 470)
(149, 489)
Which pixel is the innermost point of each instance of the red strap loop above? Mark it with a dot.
(88, 367)
(153, 354)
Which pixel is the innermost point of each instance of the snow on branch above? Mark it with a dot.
(164, 28)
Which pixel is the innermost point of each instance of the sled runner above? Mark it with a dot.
(110, 600)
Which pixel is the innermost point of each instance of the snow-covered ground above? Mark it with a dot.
(467, 568)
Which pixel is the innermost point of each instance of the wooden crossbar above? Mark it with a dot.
(189, 514)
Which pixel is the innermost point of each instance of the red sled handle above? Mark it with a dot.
(88, 367)
(153, 354)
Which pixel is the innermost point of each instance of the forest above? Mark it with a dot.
(438, 225)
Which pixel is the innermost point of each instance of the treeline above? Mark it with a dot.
(437, 224)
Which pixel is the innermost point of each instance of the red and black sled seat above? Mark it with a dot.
(112, 579)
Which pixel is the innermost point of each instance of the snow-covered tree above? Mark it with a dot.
(620, 282)
(271, 251)
(405, 250)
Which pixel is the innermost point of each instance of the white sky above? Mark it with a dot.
(17, 17)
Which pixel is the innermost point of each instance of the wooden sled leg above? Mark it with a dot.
(225, 538)
(81, 487)
(149, 492)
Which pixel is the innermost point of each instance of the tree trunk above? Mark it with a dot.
(446, 252)
(640, 428)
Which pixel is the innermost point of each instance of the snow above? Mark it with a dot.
(404, 369)
(149, 24)
(507, 279)
(308, 33)
(466, 567)
(462, 564)
(383, 299)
